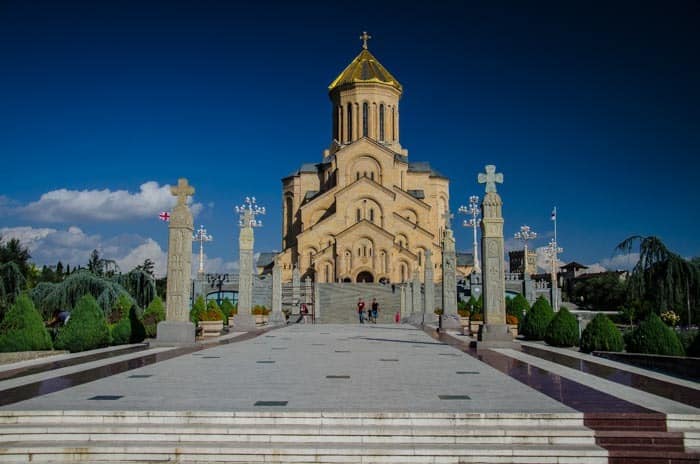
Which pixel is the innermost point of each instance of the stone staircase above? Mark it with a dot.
(295, 437)
(338, 302)
(635, 438)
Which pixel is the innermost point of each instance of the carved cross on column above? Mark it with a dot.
(182, 191)
(490, 178)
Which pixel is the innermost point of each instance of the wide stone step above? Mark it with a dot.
(299, 453)
(296, 434)
(652, 441)
(317, 420)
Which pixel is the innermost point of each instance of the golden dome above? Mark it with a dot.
(365, 68)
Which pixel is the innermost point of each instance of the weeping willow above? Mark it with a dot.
(662, 277)
(140, 284)
(50, 297)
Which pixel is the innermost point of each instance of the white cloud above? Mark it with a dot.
(620, 262)
(103, 205)
(215, 265)
(149, 249)
(27, 236)
(594, 268)
(543, 262)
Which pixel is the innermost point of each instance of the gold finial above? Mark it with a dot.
(364, 38)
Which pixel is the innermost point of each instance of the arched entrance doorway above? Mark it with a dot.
(365, 276)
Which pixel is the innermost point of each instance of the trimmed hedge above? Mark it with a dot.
(22, 329)
(535, 322)
(86, 329)
(154, 314)
(517, 306)
(563, 329)
(652, 336)
(601, 335)
(138, 331)
(198, 309)
(120, 332)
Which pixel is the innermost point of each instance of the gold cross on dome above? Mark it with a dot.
(364, 38)
(182, 191)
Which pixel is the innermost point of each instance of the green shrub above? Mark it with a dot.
(86, 329)
(154, 314)
(198, 309)
(517, 306)
(601, 335)
(563, 329)
(120, 332)
(652, 336)
(212, 313)
(22, 329)
(535, 322)
(138, 330)
(228, 309)
(120, 309)
(693, 349)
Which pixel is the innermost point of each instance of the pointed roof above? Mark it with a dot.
(365, 68)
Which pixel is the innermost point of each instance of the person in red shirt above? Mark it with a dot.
(361, 310)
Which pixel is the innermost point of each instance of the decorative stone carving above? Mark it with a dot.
(450, 318)
(277, 318)
(429, 292)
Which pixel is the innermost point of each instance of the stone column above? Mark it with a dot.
(296, 289)
(429, 293)
(244, 321)
(177, 329)
(450, 318)
(495, 330)
(276, 318)
(402, 299)
(408, 314)
(417, 307)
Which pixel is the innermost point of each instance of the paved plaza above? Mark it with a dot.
(312, 368)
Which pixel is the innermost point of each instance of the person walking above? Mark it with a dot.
(375, 310)
(361, 310)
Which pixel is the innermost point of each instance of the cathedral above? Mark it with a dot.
(365, 213)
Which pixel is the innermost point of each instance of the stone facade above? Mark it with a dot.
(364, 213)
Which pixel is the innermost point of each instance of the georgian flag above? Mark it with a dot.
(554, 214)
(164, 216)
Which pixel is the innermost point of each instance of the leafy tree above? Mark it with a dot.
(662, 277)
(86, 329)
(155, 312)
(11, 284)
(228, 309)
(563, 329)
(12, 251)
(535, 322)
(22, 329)
(65, 295)
(100, 266)
(140, 285)
(601, 335)
(654, 337)
(148, 267)
(603, 292)
(59, 270)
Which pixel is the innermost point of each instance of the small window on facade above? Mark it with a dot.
(358, 212)
(381, 122)
(365, 116)
(349, 121)
(357, 175)
(371, 214)
(393, 123)
(364, 250)
(371, 175)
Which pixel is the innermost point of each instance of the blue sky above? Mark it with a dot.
(592, 107)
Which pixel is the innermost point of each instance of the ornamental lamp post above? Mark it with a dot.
(525, 235)
(248, 211)
(551, 252)
(201, 236)
(474, 211)
(217, 281)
